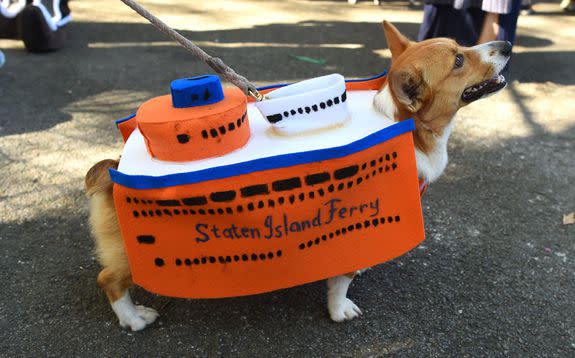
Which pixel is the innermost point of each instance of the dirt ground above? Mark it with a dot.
(494, 278)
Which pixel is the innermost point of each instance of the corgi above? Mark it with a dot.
(428, 81)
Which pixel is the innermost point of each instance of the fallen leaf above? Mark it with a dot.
(569, 219)
(317, 61)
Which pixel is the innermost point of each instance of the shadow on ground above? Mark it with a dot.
(104, 57)
(494, 277)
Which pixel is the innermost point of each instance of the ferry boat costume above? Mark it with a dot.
(218, 196)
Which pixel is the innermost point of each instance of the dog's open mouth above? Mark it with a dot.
(483, 89)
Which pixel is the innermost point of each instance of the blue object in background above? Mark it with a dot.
(196, 91)
(2, 59)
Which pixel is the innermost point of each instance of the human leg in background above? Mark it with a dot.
(462, 25)
(527, 7)
(500, 20)
(490, 29)
(508, 22)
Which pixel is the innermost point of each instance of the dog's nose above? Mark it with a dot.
(506, 49)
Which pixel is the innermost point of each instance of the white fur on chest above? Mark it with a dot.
(430, 165)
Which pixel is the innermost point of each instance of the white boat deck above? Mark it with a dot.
(264, 142)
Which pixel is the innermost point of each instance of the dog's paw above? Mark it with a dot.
(343, 310)
(147, 314)
(138, 319)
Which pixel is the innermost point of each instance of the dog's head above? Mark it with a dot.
(431, 80)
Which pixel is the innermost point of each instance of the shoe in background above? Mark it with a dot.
(42, 25)
(9, 11)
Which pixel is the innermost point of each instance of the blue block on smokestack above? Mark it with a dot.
(196, 91)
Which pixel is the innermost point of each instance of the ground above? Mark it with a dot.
(495, 276)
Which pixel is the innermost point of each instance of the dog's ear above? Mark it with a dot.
(408, 87)
(396, 42)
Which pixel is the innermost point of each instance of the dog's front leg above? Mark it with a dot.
(340, 307)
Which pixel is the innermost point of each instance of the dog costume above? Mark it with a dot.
(218, 196)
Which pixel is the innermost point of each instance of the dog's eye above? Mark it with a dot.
(458, 61)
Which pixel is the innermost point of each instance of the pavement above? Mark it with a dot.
(494, 278)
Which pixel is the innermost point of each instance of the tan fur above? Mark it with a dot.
(115, 278)
(425, 70)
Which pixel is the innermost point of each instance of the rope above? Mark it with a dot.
(214, 62)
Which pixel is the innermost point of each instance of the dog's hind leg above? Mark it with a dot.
(339, 306)
(115, 279)
(116, 285)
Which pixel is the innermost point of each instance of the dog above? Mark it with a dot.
(428, 81)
